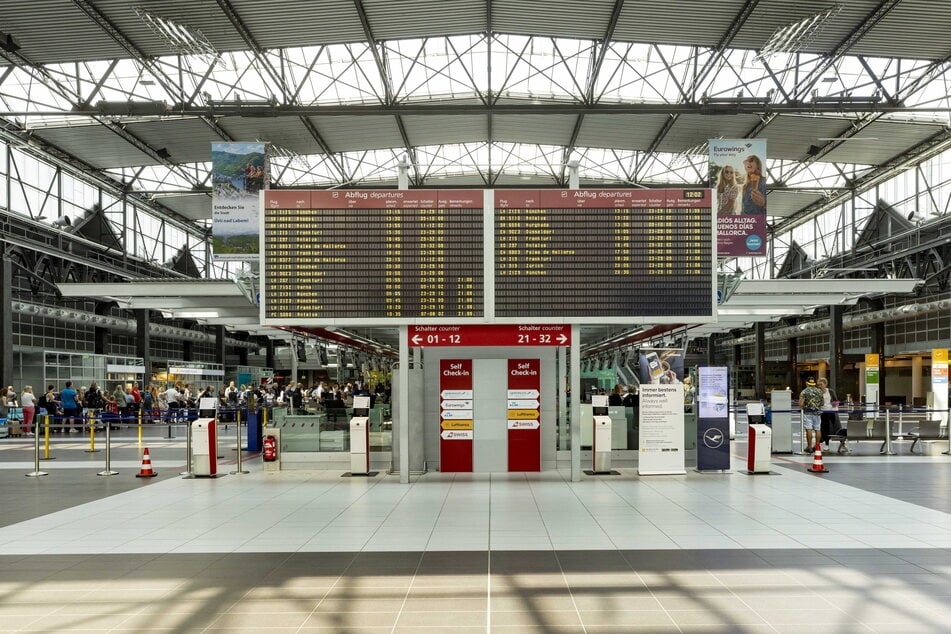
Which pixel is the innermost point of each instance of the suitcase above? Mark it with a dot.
(14, 416)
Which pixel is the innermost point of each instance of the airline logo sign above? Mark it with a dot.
(455, 414)
(457, 404)
(451, 434)
(523, 414)
(456, 424)
(522, 394)
(453, 394)
(523, 424)
(523, 404)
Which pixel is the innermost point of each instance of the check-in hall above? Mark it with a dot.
(494, 316)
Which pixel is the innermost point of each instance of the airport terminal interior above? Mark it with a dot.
(484, 316)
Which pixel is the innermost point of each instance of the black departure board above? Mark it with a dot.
(603, 253)
(382, 255)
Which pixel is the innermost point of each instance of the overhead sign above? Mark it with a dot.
(490, 335)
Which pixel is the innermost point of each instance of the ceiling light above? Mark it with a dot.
(196, 314)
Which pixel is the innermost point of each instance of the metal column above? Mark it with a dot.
(404, 405)
(575, 403)
(836, 347)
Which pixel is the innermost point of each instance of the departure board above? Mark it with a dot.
(373, 255)
(581, 254)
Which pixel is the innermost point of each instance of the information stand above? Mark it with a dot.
(600, 437)
(204, 448)
(758, 452)
(713, 420)
(360, 438)
(780, 402)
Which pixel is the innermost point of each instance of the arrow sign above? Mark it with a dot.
(447, 434)
(523, 404)
(416, 339)
(561, 339)
(522, 394)
(523, 424)
(455, 394)
(456, 424)
(523, 414)
(456, 414)
(457, 404)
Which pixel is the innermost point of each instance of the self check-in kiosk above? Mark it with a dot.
(204, 440)
(601, 435)
(360, 437)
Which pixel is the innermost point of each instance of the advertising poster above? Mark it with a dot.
(713, 421)
(738, 175)
(661, 433)
(871, 385)
(661, 365)
(524, 415)
(939, 383)
(238, 171)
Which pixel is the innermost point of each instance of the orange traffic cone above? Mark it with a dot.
(146, 470)
(817, 466)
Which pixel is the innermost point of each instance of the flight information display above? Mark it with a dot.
(381, 255)
(584, 253)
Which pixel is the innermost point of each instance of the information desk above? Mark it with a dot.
(314, 433)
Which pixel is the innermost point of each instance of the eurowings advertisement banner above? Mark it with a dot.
(738, 175)
(238, 171)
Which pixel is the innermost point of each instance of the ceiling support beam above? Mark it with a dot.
(228, 9)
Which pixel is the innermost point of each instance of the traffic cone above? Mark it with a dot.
(146, 470)
(817, 466)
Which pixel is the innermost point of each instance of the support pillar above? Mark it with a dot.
(100, 335)
(917, 380)
(6, 323)
(877, 336)
(188, 351)
(760, 354)
(575, 361)
(269, 353)
(220, 345)
(712, 349)
(792, 379)
(836, 347)
(143, 343)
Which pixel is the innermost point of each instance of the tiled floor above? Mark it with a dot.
(314, 552)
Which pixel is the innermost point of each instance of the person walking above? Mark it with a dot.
(810, 402)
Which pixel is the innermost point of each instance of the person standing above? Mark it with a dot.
(28, 403)
(72, 409)
(810, 402)
(828, 423)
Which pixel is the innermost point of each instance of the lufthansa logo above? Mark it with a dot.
(713, 438)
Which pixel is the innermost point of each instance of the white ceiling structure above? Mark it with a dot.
(486, 93)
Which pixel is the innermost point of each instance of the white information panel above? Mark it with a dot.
(714, 392)
(661, 435)
(361, 402)
(939, 384)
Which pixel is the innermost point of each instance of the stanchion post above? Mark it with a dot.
(802, 435)
(140, 427)
(108, 470)
(36, 455)
(188, 453)
(92, 435)
(947, 422)
(46, 437)
(888, 433)
(237, 426)
(264, 419)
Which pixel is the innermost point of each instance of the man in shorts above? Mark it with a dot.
(810, 402)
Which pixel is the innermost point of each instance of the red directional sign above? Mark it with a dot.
(490, 335)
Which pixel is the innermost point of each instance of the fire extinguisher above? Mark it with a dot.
(270, 449)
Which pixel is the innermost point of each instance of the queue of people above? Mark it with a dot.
(71, 406)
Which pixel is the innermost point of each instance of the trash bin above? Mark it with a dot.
(255, 432)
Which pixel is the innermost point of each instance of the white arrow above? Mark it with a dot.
(562, 339)
(416, 339)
